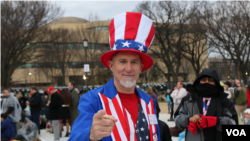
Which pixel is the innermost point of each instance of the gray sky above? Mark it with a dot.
(104, 9)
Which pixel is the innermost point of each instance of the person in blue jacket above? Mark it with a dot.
(7, 130)
(118, 110)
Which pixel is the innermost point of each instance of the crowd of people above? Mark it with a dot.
(24, 115)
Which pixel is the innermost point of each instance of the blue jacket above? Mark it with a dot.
(7, 130)
(90, 104)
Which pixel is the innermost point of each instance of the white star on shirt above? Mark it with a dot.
(143, 119)
(141, 48)
(126, 44)
(137, 130)
(142, 129)
(114, 48)
(146, 137)
(140, 138)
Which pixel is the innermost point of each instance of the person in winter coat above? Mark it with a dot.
(247, 117)
(65, 114)
(240, 95)
(73, 104)
(205, 109)
(11, 106)
(55, 111)
(28, 131)
(7, 130)
(169, 100)
(35, 104)
(248, 95)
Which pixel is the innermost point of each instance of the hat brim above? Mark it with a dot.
(147, 61)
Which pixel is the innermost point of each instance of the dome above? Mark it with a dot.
(68, 20)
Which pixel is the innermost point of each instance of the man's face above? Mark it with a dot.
(247, 115)
(179, 85)
(6, 92)
(237, 81)
(70, 86)
(52, 91)
(209, 80)
(32, 91)
(175, 87)
(126, 67)
(226, 86)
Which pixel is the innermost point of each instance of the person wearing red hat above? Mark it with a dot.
(119, 110)
(55, 111)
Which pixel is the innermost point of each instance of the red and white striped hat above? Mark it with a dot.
(130, 31)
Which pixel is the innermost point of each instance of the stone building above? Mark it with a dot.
(47, 70)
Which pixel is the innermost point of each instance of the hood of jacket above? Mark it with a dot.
(211, 73)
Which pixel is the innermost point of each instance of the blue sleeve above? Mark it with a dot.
(89, 104)
(4, 125)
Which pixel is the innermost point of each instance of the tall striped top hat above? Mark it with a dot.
(130, 31)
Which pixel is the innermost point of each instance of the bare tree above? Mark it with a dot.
(196, 49)
(185, 69)
(59, 54)
(22, 22)
(170, 19)
(228, 25)
(151, 75)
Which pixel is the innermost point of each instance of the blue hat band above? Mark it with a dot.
(129, 44)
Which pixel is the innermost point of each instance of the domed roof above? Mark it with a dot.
(68, 20)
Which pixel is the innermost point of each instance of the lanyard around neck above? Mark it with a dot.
(205, 107)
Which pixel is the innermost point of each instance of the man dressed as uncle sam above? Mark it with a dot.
(118, 111)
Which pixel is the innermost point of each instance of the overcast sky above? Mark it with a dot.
(104, 9)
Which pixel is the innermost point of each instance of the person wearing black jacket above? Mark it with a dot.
(55, 111)
(35, 106)
(204, 118)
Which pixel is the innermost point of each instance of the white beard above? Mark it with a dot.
(128, 83)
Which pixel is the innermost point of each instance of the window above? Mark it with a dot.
(99, 28)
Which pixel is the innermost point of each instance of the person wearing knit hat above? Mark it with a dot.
(119, 110)
(247, 117)
(55, 111)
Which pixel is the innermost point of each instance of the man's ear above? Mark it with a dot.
(141, 67)
(110, 63)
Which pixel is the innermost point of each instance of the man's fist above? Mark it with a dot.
(102, 125)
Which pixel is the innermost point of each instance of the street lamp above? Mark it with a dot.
(85, 46)
(85, 79)
(246, 73)
(30, 76)
(35, 75)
